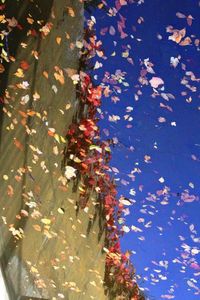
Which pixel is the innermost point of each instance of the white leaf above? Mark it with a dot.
(70, 172)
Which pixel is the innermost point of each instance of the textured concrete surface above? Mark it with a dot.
(3, 291)
(62, 259)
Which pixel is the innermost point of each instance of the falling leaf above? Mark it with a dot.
(177, 35)
(24, 65)
(58, 40)
(174, 61)
(112, 30)
(2, 19)
(19, 73)
(70, 172)
(126, 229)
(46, 75)
(12, 22)
(180, 15)
(187, 41)
(61, 211)
(125, 201)
(71, 11)
(10, 191)
(79, 44)
(2, 69)
(37, 227)
(156, 81)
(161, 180)
(18, 144)
(59, 75)
(190, 20)
(30, 20)
(46, 221)
(46, 28)
(161, 120)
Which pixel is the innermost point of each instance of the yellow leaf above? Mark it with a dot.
(58, 40)
(34, 270)
(79, 44)
(2, 18)
(46, 221)
(107, 149)
(19, 73)
(57, 138)
(63, 140)
(77, 160)
(61, 211)
(68, 106)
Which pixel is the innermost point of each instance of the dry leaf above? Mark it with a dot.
(46, 75)
(71, 11)
(189, 20)
(19, 73)
(24, 65)
(2, 69)
(58, 40)
(37, 227)
(59, 75)
(70, 172)
(10, 191)
(177, 35)
(180, 15)
(18, 144)
(46, 221)
(187, 41)
(156, 81)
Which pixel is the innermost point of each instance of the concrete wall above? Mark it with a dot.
(61, 257)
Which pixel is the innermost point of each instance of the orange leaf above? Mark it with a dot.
(31, 113)
(23, 114)
(2, 69)
(18, 144)
(84, 166)
(30, 20)
(37, 227)
(187, 41)
(23, 122)
(10, 191)
(50, 133)
(46, 75)
(59, 76)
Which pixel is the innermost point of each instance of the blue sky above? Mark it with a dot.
(161, 145)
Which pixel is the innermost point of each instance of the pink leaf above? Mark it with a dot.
(156, 81)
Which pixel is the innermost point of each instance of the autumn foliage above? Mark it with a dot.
(90, 157)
